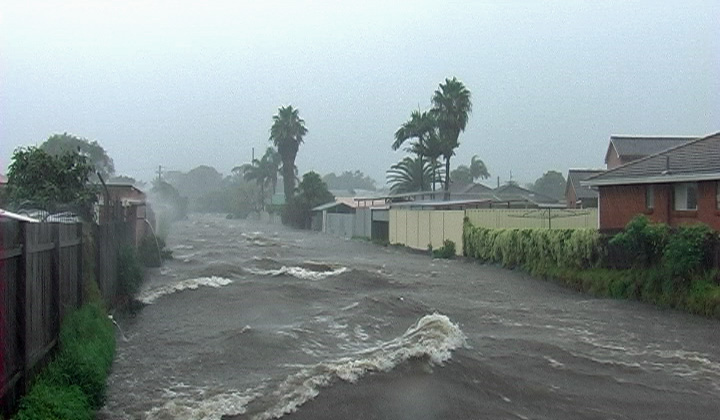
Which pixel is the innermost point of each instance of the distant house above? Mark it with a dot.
(130, 202)
(581, 196)
(625, 149)
(514, 196)
(674, 186)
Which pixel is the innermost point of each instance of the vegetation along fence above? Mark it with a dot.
(41, 281)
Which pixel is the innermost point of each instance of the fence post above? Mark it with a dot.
(55, 279)
(22, 311)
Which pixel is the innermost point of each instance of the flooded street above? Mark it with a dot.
(253, 321)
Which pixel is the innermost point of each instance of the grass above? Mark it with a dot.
(73, 385)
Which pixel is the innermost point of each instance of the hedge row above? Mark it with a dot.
(671, 266)
(73, 386)
(534, 248)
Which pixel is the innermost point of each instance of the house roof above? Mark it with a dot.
(332, 204)
(512, 192)
(431, 204)
(635, 147)
(575, 176)
(695, 160)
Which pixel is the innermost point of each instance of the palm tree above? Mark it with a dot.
(273, 161)
(409, 175)
(478, 168)
(452, 106)
(419, 126)
(286, 134)
(259, 171)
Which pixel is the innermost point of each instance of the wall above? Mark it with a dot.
(419, 228)
(340, 224)
(619, 204)
(534, 218)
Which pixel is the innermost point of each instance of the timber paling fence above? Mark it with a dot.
(41, 281)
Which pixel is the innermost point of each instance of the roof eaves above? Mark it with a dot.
(655, 179)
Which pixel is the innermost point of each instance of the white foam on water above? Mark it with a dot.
(299, 272)
(151, 295)
(184, 402)
(433, 336)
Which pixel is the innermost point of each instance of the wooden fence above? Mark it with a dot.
(41, 281)
(41, 266)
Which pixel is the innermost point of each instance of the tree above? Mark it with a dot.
(39, 179)
(264, 172)
(452, 106)
(478, 168)
(409, 175)
(552, 184)
(461, 175)
(60, 144)
(312, 192)
(286, 134)
(349, 181)
(419, 126)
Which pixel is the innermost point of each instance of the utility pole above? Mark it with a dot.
(159, 172)
(253, 155)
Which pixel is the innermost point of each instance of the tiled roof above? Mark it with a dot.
(511, 192)
(577, 175)
(690, 161)
(634, 147)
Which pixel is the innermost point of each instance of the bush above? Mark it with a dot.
(643, 239)
(686, 250)
(445, 251)
(130, 272)
(73, 384)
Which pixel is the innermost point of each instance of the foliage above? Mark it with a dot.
(461, 175)
(287, 134)
(551, 184)
(445, 251)
(38, 179)
(312, 192)
(130, 272)
(152, 251)
(643, 239)
(686, 250)
(478, 168)
(264, 172)
(349, 181)
(452, 106)
(195, 183)
(167, 201)
(534, 248)
(73, 384)
(410, 175)
(61, 144)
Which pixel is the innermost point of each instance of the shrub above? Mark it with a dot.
(445, 251)
(685, 252)
(73, 384)
(643, 239)
(130, 273)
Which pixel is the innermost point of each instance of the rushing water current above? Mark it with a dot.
(253, 321)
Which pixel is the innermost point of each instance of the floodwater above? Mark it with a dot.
(253, 321)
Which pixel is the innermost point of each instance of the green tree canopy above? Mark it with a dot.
(461, 175)
(312, 192)
(41, 180)
(60, 144)
(410, 175)
(452, 106)
(287, 134)
(552, 184)
(349, 181)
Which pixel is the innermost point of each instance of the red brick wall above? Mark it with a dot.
(619, 204)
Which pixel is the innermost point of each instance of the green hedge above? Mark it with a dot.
(534, 249)
(671, 268)
(72, 386)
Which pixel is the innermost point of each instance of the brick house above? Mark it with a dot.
(675, 186)
(580, 196)
(625, 149)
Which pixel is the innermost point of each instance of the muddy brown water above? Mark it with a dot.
(253, 321)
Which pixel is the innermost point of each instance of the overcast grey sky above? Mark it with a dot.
(180, 84)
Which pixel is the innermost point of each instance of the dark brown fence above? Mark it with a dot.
(41, 266)
(109, 237)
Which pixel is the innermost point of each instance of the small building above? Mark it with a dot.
(625, 149)
(674, 186)
(581, 196)
(130, 203)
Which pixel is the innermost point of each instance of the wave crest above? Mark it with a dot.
(151, 295)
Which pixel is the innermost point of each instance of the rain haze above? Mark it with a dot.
(182, 84)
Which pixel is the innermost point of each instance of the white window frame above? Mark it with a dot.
(681, 196)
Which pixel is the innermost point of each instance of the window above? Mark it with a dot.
(686, 196)
(650, 197)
